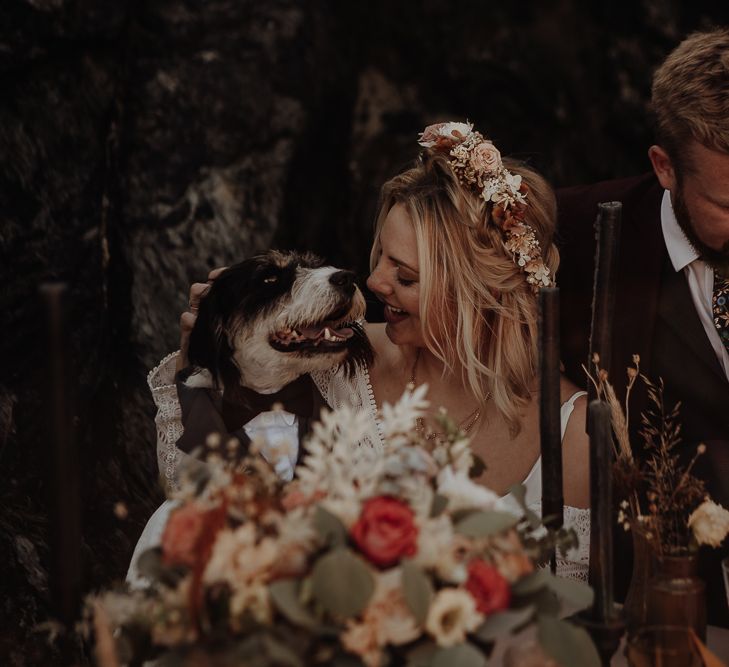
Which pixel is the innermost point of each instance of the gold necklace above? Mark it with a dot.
(465, 426)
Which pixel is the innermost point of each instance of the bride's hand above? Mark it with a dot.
(187, 319)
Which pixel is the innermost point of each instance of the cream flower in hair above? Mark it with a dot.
(444, 135)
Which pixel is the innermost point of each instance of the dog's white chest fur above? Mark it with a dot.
(278, 433)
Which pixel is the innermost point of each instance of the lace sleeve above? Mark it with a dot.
(575, 563)
(161, 381)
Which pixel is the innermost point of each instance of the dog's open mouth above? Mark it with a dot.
(329, 335)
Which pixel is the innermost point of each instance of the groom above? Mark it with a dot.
(672, 291)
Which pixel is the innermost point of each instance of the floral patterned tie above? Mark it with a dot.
(720, 307)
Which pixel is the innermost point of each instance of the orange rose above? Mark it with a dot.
(385, 531)
(489, 589)
(181, 535)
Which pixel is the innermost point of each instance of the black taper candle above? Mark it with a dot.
(603, 621)
(607, 232)
(601, 510)
(550, 431)
(64, 504)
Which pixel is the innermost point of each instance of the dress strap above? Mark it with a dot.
(565, 411)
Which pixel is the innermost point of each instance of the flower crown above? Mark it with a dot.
(478, 166)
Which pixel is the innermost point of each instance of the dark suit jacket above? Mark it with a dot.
(655, 318)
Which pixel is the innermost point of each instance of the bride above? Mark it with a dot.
(463, 240)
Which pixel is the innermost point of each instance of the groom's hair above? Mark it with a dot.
(690, 96)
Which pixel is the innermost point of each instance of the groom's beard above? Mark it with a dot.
(716, 259)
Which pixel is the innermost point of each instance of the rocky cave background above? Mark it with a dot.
(143, 143)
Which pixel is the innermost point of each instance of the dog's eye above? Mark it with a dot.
(269, 280)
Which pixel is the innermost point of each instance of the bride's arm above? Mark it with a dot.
(161, 381)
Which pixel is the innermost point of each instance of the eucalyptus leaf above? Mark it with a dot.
(546, 602)
(569, 645)
(518, 491)
(285, 596)
(263, 650)
(461, 655)
(504, 623)
(331, 529)
(577, 593)
(485, 524)
(342, 582)
(532, 583)
(421, 655)
(417, 589)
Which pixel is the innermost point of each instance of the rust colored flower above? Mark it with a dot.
(385, 531)
(182, 533)
(488, 588)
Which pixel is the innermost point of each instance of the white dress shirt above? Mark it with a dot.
(699, 274)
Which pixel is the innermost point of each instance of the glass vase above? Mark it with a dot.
(635, 606)
(676, 595)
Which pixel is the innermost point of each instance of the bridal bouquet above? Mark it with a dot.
(370, 556)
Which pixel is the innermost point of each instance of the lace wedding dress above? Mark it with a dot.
(337, 391)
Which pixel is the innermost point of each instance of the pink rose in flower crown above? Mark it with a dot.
(385, 531)
(444, 135)
(485, 158)
(182, 535)
(488, 588)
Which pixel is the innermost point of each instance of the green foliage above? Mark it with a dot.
(485, 524)
(504, 623)
(569, 645)
(417, 589)
(463, 655)
(331, 529)
(285, 594)
(342, 583)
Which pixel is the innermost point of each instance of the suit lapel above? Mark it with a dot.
(676, 310)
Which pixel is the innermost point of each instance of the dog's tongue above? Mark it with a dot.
(316, 332)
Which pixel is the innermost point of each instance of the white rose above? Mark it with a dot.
(444, 135)
(451, 616)
(709, 523)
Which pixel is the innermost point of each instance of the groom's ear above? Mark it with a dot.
(663, 167)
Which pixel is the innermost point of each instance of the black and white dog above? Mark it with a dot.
(261, 328)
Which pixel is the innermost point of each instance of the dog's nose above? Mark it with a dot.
(343, 279)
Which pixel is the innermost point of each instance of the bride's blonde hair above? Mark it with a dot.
(479, 314)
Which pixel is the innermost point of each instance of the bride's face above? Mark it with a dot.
(395, 279)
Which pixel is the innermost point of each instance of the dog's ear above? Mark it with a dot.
(209, 348)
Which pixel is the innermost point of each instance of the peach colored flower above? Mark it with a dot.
(485, 158)
(238, 556)
(386, 620)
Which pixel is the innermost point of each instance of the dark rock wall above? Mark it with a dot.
(143, 143)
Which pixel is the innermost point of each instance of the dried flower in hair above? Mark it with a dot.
(477, 164)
